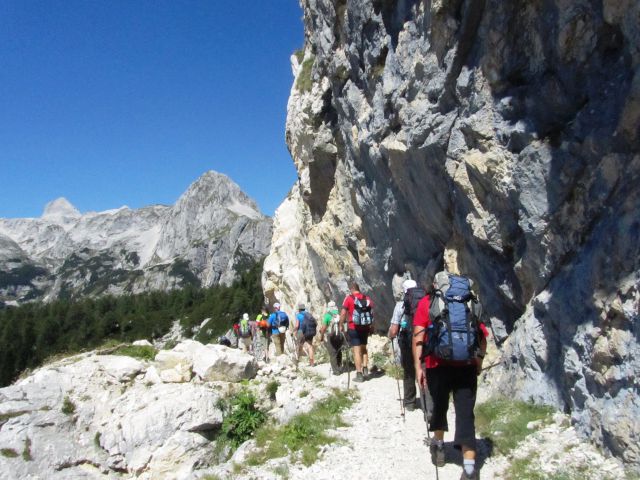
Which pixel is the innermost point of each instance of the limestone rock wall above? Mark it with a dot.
(499, 139)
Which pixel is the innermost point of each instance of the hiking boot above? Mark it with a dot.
(359, 378)
(365, 372)
(410, 407)
(466, 476)
(437, 454)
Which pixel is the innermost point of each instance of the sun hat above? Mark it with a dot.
(276, 305)
(407, 284)
(245, 316)
(331, 304)
(301, 306)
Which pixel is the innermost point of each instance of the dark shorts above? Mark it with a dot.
(358, 337)
(309, 338)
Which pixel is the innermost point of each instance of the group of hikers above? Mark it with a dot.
(440, 339)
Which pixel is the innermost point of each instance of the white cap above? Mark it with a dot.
(331, 304)
(245, 316)
(407, 284)
(276, 306)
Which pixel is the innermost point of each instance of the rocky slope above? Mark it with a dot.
(102, 415)
(499, 139)
(212, 232)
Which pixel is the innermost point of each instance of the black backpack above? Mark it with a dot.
(455, 313)
(411, 299)
(362, 314)
(309, 325)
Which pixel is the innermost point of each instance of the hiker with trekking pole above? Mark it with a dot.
(401, 329)
(449, 345)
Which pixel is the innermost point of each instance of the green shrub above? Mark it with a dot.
(272, 389)
(26, 452)
(299, 55)
(8, 452)
(68, 407)
(243, 419)
(505, 421)
(143, 352)
(304, 81)
(379, 360)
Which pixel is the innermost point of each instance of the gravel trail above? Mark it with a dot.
(378, 444)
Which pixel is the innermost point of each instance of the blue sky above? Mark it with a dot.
(124, 102)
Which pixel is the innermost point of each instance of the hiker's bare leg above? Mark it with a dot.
(357, 357)
(365, 356)
(312, 360)
(439, 435)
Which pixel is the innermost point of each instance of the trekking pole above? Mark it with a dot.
(423, 403)
(393, 349)
(266, 353)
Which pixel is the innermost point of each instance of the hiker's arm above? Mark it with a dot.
(393, 330)
(483, 351)
(343, 317)
(416, 349)
(323, 329)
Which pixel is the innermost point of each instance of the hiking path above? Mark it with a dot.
(378, 444)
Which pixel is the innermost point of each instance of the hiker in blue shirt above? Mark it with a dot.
(279, 321)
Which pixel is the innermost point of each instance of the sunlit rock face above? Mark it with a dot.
(213, 232)
(499, 139)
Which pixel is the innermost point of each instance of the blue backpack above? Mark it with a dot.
(455, 312)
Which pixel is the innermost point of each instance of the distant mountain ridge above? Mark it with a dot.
(212, 232)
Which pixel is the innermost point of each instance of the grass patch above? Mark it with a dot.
(299, 55)
(272, 389)
(529, 469)
(96, 439)
(68, 407)
(304, 393)
(8, 452)
(282, 470)
(7, 416)
(311, 376)
(26, 452)
(505, 421)
(305, 433)
(394, 371)
(304, 81)
(143, 352)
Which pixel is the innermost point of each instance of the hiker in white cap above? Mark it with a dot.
(245, 333)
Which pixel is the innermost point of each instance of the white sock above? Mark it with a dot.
(469, 466)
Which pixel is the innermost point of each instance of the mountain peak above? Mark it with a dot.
(60, 209)
(214, 188)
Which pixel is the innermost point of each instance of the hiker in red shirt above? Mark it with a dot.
(356, 309)
(445, 377)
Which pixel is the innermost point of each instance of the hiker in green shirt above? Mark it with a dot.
(335, 338)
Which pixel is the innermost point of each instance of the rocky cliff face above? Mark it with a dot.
(499, 139)
(206, 238)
